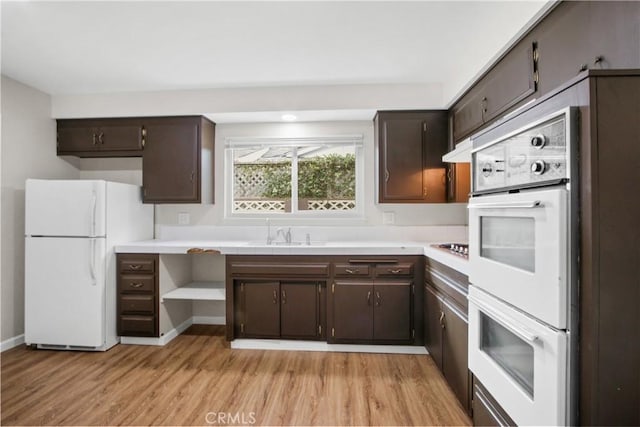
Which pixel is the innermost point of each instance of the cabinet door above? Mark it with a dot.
(563, 39)
(259, 309)
(510, 81)
(170, 162)
(455, 366)
(486, 411)
(468, 113)
(352, 310)
(299, 314)
(410, 149)
(433, 316)
(392, 311)
(120, 137)
(76, 139)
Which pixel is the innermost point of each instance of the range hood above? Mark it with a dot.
(461, 154)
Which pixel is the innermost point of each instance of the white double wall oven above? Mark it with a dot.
(521, 252)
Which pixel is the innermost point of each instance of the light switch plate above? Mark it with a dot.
(184, 218)
(388, 218)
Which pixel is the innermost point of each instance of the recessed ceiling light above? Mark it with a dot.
(289, 117)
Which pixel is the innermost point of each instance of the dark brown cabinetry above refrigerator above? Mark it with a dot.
(410, 146)
(100, 137)
(177, 152)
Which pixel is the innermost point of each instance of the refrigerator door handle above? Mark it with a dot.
(92, 259)
(94, 203)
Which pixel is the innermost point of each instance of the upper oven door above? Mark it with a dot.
(518, 251)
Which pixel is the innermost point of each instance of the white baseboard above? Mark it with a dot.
(209, 320)
(11, 343)
(290, 345)
(163, 340)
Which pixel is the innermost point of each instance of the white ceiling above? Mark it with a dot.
(104, 47)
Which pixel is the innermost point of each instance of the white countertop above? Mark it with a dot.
(238, 247)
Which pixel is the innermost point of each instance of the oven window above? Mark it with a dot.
(509, 351)
(508, 240)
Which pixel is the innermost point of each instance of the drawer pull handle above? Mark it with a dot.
(284, 296)
(369, 298)
(378, 299)
(135, 266)
(356, 271)
(137, 284)
(275, 297)
(394, 271)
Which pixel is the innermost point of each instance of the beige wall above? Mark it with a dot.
(28, 150)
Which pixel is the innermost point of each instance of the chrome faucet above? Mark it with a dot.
(285, 236)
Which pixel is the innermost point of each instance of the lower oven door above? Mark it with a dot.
(518, 247)
(521, 362)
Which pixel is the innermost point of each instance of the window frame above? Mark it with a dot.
(232, 143)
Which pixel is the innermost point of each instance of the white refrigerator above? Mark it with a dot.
(71, 229)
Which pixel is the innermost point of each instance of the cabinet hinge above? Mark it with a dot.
(320, 330)
(413, 333)
(333, 288)
(536, 54)
(333, 332)
(242, 328)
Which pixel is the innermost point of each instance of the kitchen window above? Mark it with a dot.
(312, 177)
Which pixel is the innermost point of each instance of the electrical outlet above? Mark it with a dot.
(184, 218)
(388, 218)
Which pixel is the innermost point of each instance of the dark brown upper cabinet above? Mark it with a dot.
(582, 35)
(177, 160)
(510, 81)
(410, 146)
(119, 137)
(573, 36)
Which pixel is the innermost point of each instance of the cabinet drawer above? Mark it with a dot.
(136, 283)
(348, 270)
(142, 326)
(135, 265)
(392, 270)
(143, 304)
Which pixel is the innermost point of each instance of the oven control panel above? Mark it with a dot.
(533, 156)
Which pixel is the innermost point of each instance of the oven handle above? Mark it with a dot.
(507, 205)
(522, 331)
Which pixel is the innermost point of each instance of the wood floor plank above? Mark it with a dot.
(198, 380)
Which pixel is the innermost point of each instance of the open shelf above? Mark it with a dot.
(207, 291)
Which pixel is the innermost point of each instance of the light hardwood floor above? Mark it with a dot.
(198, 380)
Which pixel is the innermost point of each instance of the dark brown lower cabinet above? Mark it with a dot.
(446, 327)
(366, 311)
(300, 310)
(137, 303)
(486, 411)
(271, 309)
